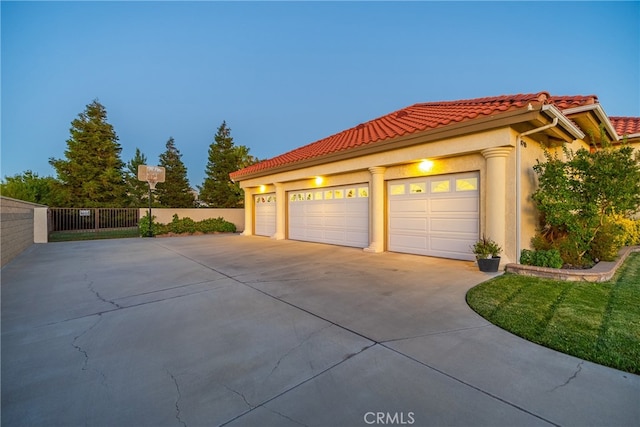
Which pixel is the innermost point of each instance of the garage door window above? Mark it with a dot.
(467, 184)
(440, 186)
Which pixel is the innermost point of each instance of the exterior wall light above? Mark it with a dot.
(425, 166)
(262, 188)
(319, 180)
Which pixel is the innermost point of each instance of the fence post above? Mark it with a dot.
(40, 225)
(97, 219)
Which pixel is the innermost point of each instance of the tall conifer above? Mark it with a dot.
(175, 191)
(92, 175)
(218, 190)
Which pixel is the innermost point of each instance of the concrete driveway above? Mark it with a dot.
(246, 331)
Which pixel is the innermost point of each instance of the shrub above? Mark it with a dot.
(577, 195)
(213, 225)
(607, 241)
(541, 258)
(630, 230)
(156, 228)
(186, 225)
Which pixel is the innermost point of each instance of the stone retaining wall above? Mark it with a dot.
(601, 272)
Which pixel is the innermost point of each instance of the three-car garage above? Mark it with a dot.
(430, 215)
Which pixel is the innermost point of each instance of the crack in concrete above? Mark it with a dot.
(297, 346)
(97, 294)
(175, 381)
(571, 378)
(239, 394)
(288, 418)
(80, 349)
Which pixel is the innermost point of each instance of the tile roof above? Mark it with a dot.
(626, 125)
(413, 119)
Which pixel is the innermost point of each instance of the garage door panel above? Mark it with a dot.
(356, 223)
(407, 206)
(334, 221)
(330, 216)
(452, 247)
(454, 225)
(409, 243)
(455, 204)
(442, 221)
(409, 224)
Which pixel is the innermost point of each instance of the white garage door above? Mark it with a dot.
(265, 210)
(435, 216)
(336, 215)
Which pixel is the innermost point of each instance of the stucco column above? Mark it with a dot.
(376, 210)
(248, 212)
(281, 201)
(496, 196)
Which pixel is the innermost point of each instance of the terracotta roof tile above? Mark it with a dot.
(413, 119)
(626, 125)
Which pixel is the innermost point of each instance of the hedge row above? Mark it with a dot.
(186, 226)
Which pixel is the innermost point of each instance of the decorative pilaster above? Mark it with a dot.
(496, 196)
(376, 210)
(248, 212)
(281, 201)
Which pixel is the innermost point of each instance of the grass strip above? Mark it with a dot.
(599, 322)
(62, 236)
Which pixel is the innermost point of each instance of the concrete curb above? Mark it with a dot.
(601, 272)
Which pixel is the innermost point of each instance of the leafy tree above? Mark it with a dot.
(579, 198)
(91, 175)
(29, 187)
(138, 190)
(224, 157)
(175, 192)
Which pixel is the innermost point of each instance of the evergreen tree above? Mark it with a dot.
(92, 175)
(218, 190)
(175, 191)
(138, 190)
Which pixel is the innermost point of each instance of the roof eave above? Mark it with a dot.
(530, 113)
(600, 114)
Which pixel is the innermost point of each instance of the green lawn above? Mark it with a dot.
(599, 322)
(65, 236)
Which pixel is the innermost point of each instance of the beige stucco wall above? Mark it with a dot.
(453, 155)
(165, 215)
(17, 227)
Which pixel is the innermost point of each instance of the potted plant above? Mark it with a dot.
(487, 254)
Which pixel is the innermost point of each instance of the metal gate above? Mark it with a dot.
(92, 219)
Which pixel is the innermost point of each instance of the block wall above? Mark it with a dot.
(16, 227)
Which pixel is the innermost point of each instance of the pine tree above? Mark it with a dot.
(218, 190)
(138, 190)
(175, 191)
(92, 175)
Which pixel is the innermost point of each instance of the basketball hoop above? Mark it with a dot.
(152, 175)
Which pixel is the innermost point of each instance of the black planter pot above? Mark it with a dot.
(489, 265)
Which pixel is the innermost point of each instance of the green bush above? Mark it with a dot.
(216, 225)
(630, 230)
(541, 258)
(607, 241)
(156, 228)
(186, 225)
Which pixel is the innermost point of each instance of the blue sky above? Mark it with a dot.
(284, 74)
